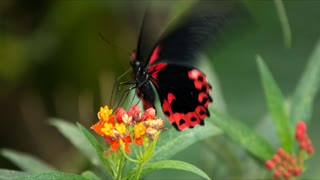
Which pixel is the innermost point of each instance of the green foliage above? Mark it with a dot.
(243, 135)
(6, 174)
(26, 162)
(171, 164)
(52, 175)
(276, 104)
(99, 149)
(307, 88)
(74, 135)
(172, 142)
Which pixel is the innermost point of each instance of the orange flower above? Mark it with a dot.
(120, 128)
(101, 124)
(104, 113)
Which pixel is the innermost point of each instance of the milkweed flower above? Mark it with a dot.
(288, 165)
(125, 127)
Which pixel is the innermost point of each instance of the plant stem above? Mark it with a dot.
(120, 167)
(139, 170)
(129, 158)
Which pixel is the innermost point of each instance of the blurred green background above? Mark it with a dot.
(54, 64)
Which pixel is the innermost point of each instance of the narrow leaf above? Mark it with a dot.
(172, 141)
(307, 88)
(74, 135)
(96, 145)
(171, 164)
(276, 104)
(284, 22)
(26, 162)
(243, 135)
(6, 174)
(53, 176)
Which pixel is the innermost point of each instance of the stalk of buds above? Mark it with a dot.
(286, 165)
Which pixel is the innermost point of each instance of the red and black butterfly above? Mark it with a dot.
(182, 89)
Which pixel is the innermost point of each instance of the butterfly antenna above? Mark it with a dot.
(118, 87)
(112, 44)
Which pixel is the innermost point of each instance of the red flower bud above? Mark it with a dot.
(310, 150)
(299, 135)
(297, 171)
(119, 113)
(303, 145)
(287, 174)
(280, 152)
(269, 164)
(301, 126)
(277, 174)
(150, 113)
(276, 158)
(134, 109)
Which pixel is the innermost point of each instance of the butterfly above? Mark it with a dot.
(183, 90)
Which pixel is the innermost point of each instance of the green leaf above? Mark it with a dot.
(284, 22)
(52, 176)
(6, 174)
(306, 90)
(276, 104)
(96, 145)
(171, 164)
(74, 135)
(172, 141)
(26, 162)
(89, 175)
(243, 135)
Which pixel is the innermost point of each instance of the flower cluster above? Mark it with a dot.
(287, 165)
(302, 137)
(127, 126)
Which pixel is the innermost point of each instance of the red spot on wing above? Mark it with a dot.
(155, 55)
(198, 85)
(171, 97)
(155, 69)
(203, 96)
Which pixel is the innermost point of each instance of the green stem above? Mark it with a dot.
(139, 170)
(120, 165)
(141, 154)
(135, 151)
(129, 158)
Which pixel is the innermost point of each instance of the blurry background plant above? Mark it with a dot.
(54, 64)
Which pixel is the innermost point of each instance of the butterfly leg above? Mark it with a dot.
(125, 95)
(116, 90)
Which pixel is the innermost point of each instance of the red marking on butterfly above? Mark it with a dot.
(183, 90)
(154, 55)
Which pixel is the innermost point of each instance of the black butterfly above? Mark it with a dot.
(182, 89)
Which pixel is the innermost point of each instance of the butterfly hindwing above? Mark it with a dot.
(183, 92)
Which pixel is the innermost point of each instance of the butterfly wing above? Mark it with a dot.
(183, 92)
(193, 33)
